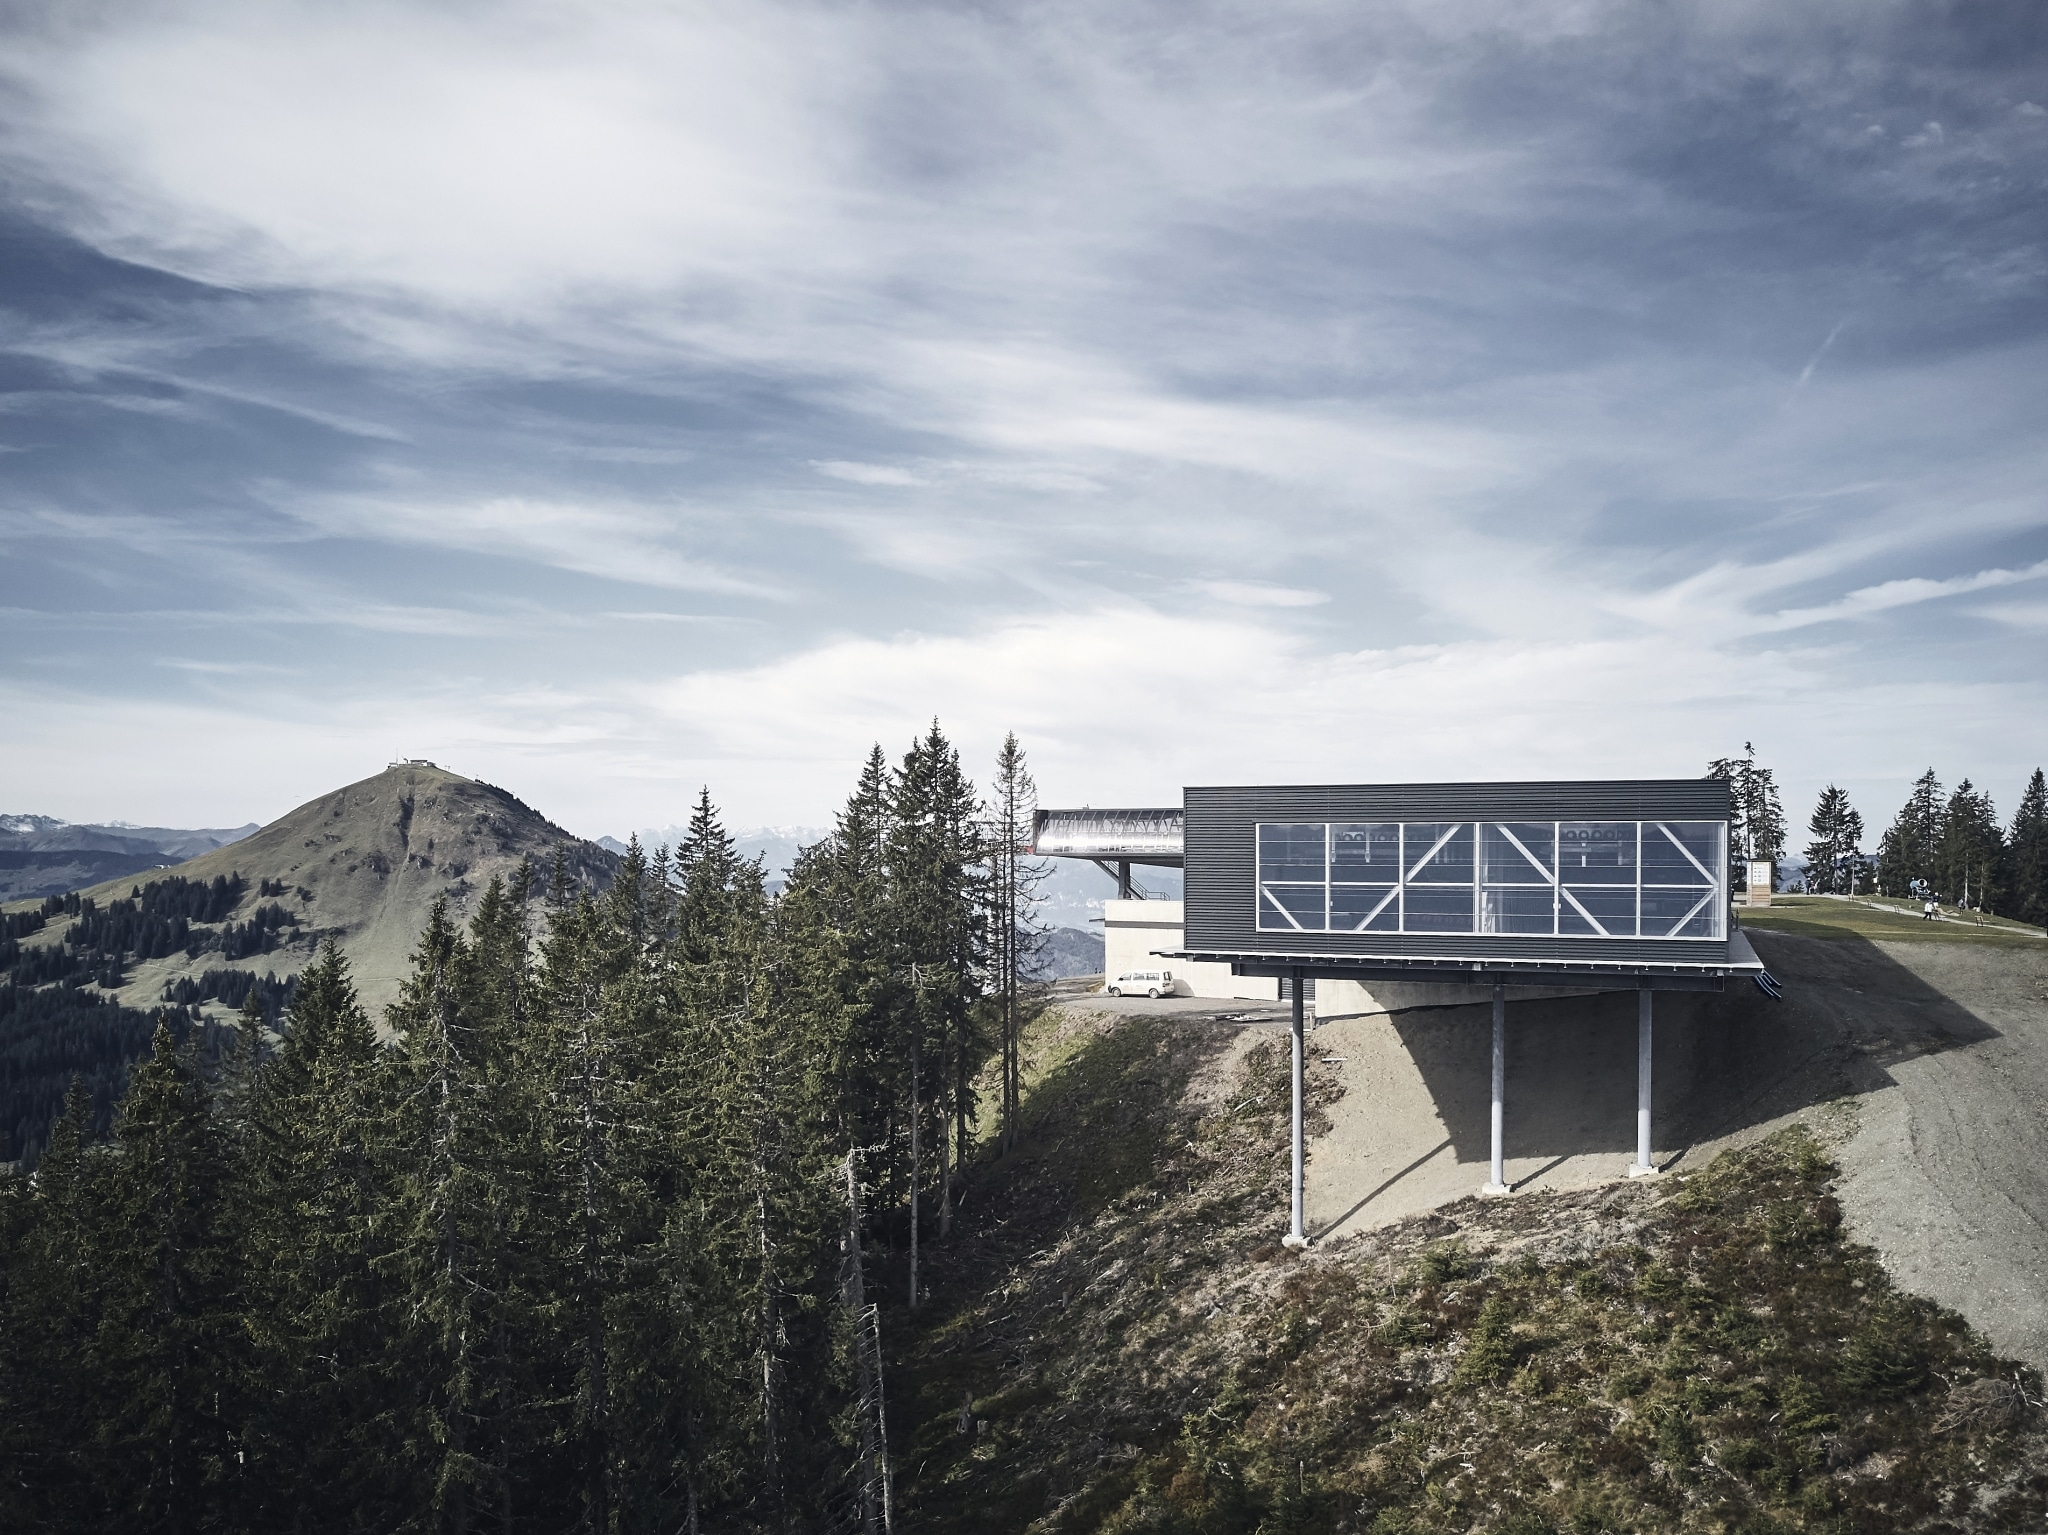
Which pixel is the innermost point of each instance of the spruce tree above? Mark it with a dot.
(1834, 856)
(937, 919)
(54, 1299)
(167, 1356)
(706, 866)
(1757, 830)
(440, 1221)
(1015, 938)
(1970, 854)
(2027, 855)
(1908, 851)
(600, 1138)
(853, 883)
(494, 983)
(317, 1172)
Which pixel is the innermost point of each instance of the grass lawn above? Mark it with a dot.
(1819, 916)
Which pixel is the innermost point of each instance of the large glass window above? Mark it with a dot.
(1294, 876)
(1584, 879)
(1518, 877)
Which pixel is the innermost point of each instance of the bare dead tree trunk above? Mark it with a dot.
(1015, 816)
(597, 1483)
(446, 1065)
(916, 1165)
(876, 1494)
(771, 1448)
(945, 1174)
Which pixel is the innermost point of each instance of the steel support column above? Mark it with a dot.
(1297, 1235)
(1643, 1166)
(1498, 1183)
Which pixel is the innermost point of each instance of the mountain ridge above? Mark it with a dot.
(364, 863)
(42, 855)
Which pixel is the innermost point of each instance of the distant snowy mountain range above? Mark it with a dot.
(27, 833)
(42, 855)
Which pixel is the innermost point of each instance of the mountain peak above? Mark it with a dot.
(366, 863)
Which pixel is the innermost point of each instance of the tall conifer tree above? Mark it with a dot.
(2027, 854)
(1909, 850)
(937, 916)
(1015, 938)
(1834, 857)
(169, 1349)
(55, 1299)
(318, 1175)
(1970, 856)
(1758, 829)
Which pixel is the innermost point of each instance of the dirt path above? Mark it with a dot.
(1945, 1176)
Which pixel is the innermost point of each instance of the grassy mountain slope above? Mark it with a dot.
(366, 863)
(1116, 1341)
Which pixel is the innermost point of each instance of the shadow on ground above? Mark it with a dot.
(1723, 1061)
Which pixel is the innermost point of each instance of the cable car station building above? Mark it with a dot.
(1531, 887)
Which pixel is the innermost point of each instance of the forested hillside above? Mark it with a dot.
(60, 964)
(578, 1248)
(83, 975)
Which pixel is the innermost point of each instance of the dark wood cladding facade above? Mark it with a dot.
(1221, 857)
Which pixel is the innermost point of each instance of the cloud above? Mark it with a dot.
(867, 474)
(1806, 373)
(222, 668)
(1371, 390)
(2017, 615)
(1225, 699)
(641, 545)
(1887, 595)
(1256, 594)
(539, 152)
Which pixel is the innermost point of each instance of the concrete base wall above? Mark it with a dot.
(1354, 999)
(1133, 930)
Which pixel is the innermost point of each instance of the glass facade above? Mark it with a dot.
(1584, 879)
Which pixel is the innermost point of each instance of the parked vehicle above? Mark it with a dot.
(1152, 983)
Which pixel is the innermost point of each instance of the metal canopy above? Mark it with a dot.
(1112, 840)
(1148, 837)
(1701, 975)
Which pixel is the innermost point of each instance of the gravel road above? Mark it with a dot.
(1947, 1174)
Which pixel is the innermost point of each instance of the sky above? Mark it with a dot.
(609, 400)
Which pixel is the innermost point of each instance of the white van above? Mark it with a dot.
(1151, 983)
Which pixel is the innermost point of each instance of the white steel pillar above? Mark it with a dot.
(1498, 1183)
(1297, 1235)
(1643, 1166)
